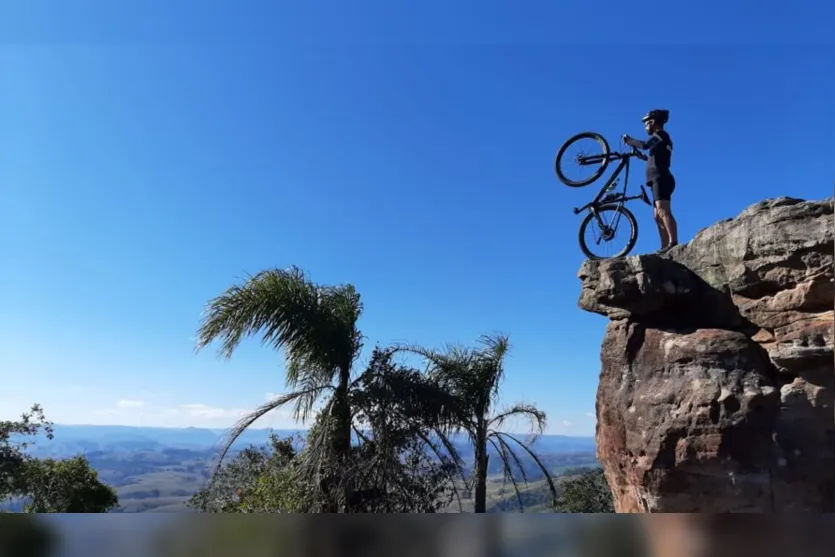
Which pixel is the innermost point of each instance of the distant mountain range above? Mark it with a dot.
(157, 469)
(70, 440)
(82, 439)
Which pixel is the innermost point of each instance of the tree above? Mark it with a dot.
(586, 493)
(394, 467)
(403, 461)
(51, 486)
(317, 328)
(67, 486)
(473, 376)
(15, 437)
(256, 480)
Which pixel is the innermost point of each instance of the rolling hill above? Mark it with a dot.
(158, 469)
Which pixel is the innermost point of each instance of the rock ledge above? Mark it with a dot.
(718, 378)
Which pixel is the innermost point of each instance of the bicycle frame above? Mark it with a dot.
(617, 198)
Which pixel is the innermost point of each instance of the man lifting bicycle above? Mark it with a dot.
(660, 149)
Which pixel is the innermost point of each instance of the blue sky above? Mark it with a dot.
(151, 157)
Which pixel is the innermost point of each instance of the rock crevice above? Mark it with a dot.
(718, 372)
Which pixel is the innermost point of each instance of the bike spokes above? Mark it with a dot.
(582, 160)
(608, 233)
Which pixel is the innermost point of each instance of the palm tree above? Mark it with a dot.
(317, 328)
(473, 376)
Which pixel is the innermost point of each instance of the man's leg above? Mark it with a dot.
(662, 231)
(668, 220)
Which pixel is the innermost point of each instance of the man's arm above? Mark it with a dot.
(643, 145)
(637, 143)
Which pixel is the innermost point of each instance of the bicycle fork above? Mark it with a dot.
(608, 231)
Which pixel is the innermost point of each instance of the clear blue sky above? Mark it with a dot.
(150, 157)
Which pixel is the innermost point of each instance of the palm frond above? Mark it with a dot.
(512, 453)
(537, 418)
(491, 356)
(245, 422)
(536, 459)
(307, 379)
(474, 375)
(318, 446)
(316, 460)
(315, 324)
(508, 470)
(437, 359)
(360, 435)
(452, 371)
(495, 346)
(424, 400)
(244, 310)
(456, 461)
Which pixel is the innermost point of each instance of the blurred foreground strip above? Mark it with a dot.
(440, 535)
(25, 535)
(726, 535)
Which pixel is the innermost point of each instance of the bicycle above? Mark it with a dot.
(607, 201)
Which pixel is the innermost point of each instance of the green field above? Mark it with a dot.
(167, 491)
(501, 497)
(164, 479)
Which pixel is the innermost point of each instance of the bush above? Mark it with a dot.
(587, 492)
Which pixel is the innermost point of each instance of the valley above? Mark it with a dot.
(159, 469)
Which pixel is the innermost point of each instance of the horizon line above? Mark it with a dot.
(590, 436)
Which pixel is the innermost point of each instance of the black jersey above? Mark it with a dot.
(660, 154)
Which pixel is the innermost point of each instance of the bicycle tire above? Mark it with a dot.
(633, 239)
(558, 161)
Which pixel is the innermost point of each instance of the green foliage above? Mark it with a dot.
(317, 328)
(402, 463)
(381, 475)
(52, 486)
(394, 467)
(586, 493)
(67, 486)
(405, 460)
(536, 498)
(256, 480)
(315, 325)
(14, 439)
(472, 379)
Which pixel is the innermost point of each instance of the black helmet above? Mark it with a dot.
(659, 115)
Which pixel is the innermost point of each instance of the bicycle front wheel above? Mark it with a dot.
(582, 159)
(606, 226)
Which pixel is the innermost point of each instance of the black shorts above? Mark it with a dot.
(662, 187)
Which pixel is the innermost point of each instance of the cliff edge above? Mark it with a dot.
(718, 379)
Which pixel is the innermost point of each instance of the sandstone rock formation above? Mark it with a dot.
(718, 380)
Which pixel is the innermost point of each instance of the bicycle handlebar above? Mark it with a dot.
(635, 152)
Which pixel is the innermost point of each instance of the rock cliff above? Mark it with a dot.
(717, 382)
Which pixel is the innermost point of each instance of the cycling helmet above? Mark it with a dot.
(659, 115)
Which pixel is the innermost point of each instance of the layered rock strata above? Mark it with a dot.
(718, 380)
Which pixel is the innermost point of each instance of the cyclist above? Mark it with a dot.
(660, 148)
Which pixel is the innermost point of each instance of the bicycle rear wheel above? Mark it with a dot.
(611, 217)
(597, 159)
